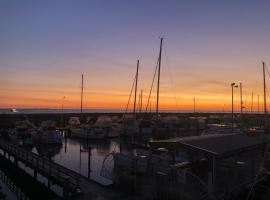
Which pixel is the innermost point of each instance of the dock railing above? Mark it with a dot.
(52, 170)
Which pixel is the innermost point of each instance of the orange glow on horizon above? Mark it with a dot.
(118, 101)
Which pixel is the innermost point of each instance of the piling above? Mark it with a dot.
(89, 161)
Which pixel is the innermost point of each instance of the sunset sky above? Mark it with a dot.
(45, 46)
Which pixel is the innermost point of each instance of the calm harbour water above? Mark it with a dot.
(74, 154)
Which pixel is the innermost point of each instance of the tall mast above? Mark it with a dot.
(241, 99)
(264, 94)
(159, 63)
(264, 89)
(136, 83)
(82, 95)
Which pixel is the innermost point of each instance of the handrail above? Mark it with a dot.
(41, 163)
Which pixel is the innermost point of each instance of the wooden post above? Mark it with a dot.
(89, 161)
(135, 173)
(49, 182)
(65, 143)
(35, 174)
(120, 147)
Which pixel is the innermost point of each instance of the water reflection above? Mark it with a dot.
(48, 151)
(74, 154)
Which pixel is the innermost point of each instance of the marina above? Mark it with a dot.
(134, 100)
(76, 166)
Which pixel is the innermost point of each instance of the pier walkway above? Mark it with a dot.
(74, 185)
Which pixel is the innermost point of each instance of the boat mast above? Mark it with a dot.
(82, 95)
(241, 99)
(136, 82)
(258, 103)
(264, 94)
(159, 63)
(141, 100)
(194, 103)
(251, 109)
(264, 89)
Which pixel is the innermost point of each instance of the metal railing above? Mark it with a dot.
(43, 165)
(10, 184)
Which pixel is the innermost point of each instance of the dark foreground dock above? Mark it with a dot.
(74, 186)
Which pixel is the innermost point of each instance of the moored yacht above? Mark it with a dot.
(130, 126)
(47, 133)
(220, 129)
(22, 134)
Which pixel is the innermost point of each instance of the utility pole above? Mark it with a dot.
(251, 109)
(233, 85)
(136, 83)
(159, 63)
(62, 112)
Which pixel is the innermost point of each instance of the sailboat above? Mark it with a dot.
(130, 126)
(254, 131)
(22, 134)
(47, 133)
(159, 131)
(85, 131)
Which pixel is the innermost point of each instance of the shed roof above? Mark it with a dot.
(215, 145)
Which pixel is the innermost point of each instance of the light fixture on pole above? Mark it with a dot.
(62, 112)
(233, 85)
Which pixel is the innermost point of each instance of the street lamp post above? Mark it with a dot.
(62, 111)
(233, 85)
